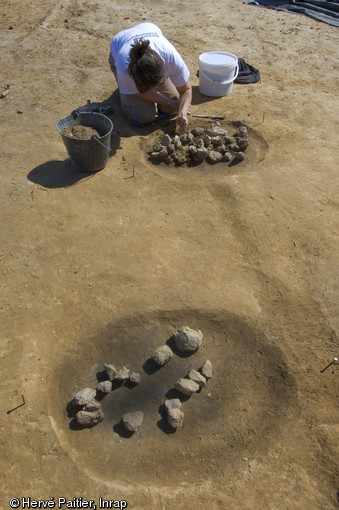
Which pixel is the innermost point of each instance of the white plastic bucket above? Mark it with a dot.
(217, 72)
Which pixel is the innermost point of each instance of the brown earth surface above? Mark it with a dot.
(103, 267)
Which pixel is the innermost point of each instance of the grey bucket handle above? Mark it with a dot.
(102, 144)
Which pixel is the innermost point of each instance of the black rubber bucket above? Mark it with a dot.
(89, 155)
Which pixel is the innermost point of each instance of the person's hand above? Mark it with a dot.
(182, 120)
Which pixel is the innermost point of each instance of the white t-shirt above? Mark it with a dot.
(175, 67)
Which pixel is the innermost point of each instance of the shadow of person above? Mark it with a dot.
(198, 98)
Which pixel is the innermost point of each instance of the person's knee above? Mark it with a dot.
(144, 116)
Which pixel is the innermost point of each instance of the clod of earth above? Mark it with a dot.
(172, 403)
(175, 418)
(104, 386)
(162, 355)
(187, 386)
(133, 421)
(92, 406)
(187, 340)
(134, 378)
(80, 132)
(122, 375)
(213, 145)
(195, 376)
(110, 371)
(88, 419)
(84, 396)
(206, 369)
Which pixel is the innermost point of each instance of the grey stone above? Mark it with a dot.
(166, 140)
(187, 340)
(239, 156)
(200, 144)
(234, 147)
(177, 142)
(214, 156)
(175, 418)
(170, 148)
(242, 143)
(133, 421)
(134, 378)
(193, 150)
(88, 419)
(206, 369)
(228, 140)
(104, 386)
(179, 158)
(157, 147)
(122, 375)
(202, 153)
(195, 376)
(190, 137)
(84, 396)
(198, 131)
(154, 156)
(216, 140)
(207, 140)
(93, 405)
(162, 355)
(162, 154)
(187, 386)
(227, 157)
(172, 403)
(242, 131)
(110, 371)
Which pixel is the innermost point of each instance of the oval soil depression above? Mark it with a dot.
(234, 416)
(254, 154)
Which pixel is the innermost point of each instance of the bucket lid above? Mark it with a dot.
(218, 58)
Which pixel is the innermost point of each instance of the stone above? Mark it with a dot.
(154, 156)
(177, 142)
(206, 369)
(134, 378)
(214, 156)
(195, 376)
(110, 371)
(207, 140)
(242, 131)
(170, 148)
(183, 138)
(200, 144)
(122, 375)
(234, 147)
(187, 386)
(193, 150)
(175, 418)
(84, 396)
(227, 157)
(157, 147)
(242, 143)
(239, 156)
(190, 137)
(162, 154)
(222, 149)
(179, 158)
(104, 386)
(93, 405)
(132, 421)
(88, 419)
(166, 140)
(216, 140)
(187, 340)
(228, 140)
(172, 403)
(202, 153)
(198, 131)
(162, 355)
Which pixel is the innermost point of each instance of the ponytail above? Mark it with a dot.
(146, 67)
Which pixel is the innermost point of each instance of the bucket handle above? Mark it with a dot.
(103, 145)
(221, 82)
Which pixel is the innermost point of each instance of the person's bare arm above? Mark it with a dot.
(185, 99)
(154, 96)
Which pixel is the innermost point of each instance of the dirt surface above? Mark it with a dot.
(81, 132)
(103, 267)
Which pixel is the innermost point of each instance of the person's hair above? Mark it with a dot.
(146, 67)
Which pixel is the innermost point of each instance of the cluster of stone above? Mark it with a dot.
(195, 379)
(90, 412)
(186, 340)
(213, 145)
(187, 386)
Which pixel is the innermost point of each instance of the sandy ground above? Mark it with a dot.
(104, 267)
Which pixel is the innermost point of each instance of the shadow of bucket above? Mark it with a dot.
(217, 72)
(90, 155)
